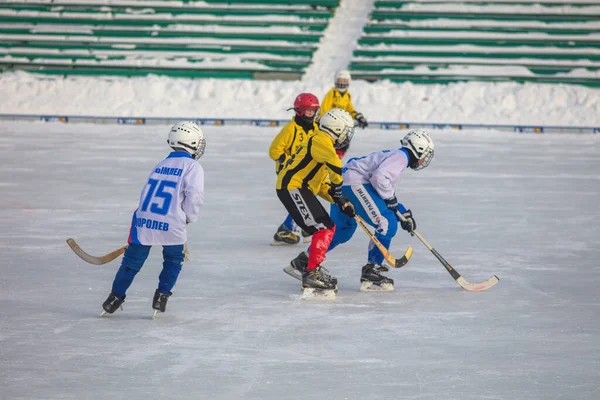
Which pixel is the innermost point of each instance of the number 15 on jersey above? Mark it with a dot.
(159, 190)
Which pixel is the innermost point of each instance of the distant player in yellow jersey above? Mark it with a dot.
(339, 97)
(293, 134)
(314, 169)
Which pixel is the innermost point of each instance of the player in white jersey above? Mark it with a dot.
(170, 200)
(370, 185)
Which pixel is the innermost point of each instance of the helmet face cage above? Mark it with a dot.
(425, 159)
(342, 84)
(200, 149)
(342, 80)
(344, 138)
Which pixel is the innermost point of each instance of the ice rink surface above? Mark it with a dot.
(523, 207)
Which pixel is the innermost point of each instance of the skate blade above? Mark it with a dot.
(291, 271)
(337, 289)
(154, 314)
(103, 313)
(370, 287)
(276, 243)
(307, 239)
(317, 294)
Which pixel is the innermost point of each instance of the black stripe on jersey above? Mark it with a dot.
(293, 139)
(311, 175)
(335, 169)
(301, 165)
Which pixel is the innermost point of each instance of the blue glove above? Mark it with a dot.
(409, 225)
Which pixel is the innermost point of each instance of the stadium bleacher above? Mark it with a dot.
(420, 41)
(443, 41)
(254, 39)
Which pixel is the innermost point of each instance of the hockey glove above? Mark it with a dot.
(346, 207)
(392, 204)
(409, 225)
(362, 121)
(335, 191)
(279, 164)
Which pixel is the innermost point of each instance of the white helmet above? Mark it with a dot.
(338, 125)
(342, 80)
(187, 136)
(419, 143)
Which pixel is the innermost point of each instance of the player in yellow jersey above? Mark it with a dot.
(339, 97)
(314, 169)
(293, 134)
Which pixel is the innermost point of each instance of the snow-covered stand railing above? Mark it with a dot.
(536, 129)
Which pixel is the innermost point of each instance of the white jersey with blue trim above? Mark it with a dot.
(170, 199)
(381, 169)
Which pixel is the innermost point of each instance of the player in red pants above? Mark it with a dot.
(314, 169)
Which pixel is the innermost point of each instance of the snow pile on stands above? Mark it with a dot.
(487, 103)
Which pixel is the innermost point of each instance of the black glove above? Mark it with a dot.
(335, 191)
(392, 204)
(409, 225)
(346, 207)
(362, 121)
(279, 164)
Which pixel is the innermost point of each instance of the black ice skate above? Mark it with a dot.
(298, 266)
(318, 284)
(373, 281)
(306, 237)
(159, 303)
(112, 303)
(285, 237)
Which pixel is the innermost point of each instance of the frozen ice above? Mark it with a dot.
(524, 207)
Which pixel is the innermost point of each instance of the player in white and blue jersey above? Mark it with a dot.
(370, 185)
(170, 200)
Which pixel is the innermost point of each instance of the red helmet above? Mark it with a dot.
(305, 101)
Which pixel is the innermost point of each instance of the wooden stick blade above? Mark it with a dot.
(389, 258)
(93, 259)
(401, 262)
(477, 287)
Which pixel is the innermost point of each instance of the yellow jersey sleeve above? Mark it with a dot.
(324, 190)
(323, 152)
(350, 107)
(281, 145)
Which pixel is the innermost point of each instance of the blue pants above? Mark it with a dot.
(134, 259)
(289, 223)
(370, 207)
